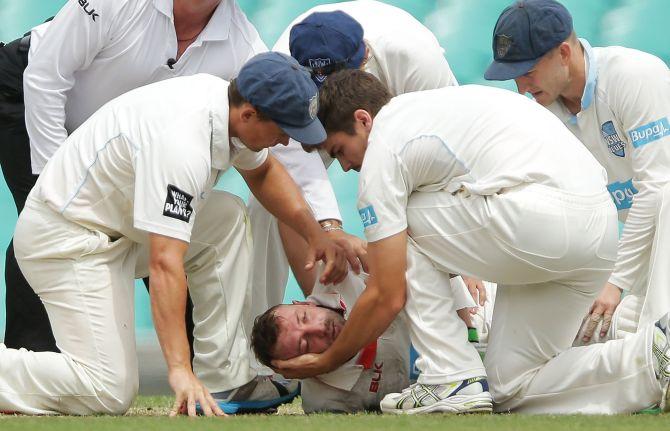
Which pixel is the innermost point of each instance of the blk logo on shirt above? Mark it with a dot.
(177, 204)
(612, 139)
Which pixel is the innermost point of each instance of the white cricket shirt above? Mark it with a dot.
(404, 55)
(477, 139)
(96, 50)
(147, 160)
(625, 123)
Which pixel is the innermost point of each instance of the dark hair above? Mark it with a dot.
(342, 94)
(264, 336)
(236, 99)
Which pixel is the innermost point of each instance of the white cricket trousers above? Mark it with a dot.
(86, 282)
(550, 253)
(657, 296)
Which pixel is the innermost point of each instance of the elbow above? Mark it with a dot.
(393, 304)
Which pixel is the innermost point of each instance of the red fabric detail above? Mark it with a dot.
(368, 355)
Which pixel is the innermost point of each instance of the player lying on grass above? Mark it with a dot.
(487, 183)
(380, 368)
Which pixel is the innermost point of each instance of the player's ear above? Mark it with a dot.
(247, 112)
(565, 51)
(364, 118)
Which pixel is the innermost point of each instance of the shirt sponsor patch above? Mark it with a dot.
(622, 194)
(650, 132)
(88, 9)
(177, 204)
(612, 139)
(368, 216)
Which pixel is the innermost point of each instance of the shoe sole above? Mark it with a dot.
(458, 404)
(262, 406)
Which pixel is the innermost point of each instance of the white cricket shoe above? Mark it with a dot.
(467, 396)
(660, 348)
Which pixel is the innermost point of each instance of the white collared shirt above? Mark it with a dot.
(625, 123)
(404, 55)
(91, 53)
(147, 160)
(471, 138)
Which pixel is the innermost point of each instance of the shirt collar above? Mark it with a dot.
(591, 67)
(218, 27)
(591, 74)
(219, 117)
(164, 7)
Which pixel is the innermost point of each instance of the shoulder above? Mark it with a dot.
(617, 65)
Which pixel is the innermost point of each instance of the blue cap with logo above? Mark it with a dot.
(326, 42)
(526, 31)
(282, 89)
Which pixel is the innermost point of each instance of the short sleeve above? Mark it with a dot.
(382, 192)
(170, 184)
(245, 159)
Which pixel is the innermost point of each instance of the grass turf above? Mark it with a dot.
(149, 413)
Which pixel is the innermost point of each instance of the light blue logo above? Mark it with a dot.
(612, 139)
(622, 194)
(368, 216)
(650, 132)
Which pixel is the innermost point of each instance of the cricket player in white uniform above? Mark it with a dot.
(90, 53)
(617, 102)
(380, 368)
(370, 35)
(489, 184)
(136, 180)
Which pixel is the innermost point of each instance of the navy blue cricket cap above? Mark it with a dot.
(326, 42)
(525, 31)
(282, 89)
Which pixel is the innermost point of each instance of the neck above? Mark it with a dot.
(191, 16)
(572, 95)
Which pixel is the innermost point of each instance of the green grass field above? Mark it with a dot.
(149, 413)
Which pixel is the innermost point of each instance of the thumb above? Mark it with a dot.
(311, 259)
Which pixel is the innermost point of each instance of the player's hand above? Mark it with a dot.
(188, 391)
(466, 315)
(355, 249)
(476, 288)
(321, 247)
(603, 308)
(301, 367)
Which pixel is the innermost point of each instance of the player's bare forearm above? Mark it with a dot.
(277, 192)
(379, 304)
(168, 292)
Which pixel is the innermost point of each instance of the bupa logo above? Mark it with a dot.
(368, 216)
(316, 64)
(622, 194)
(89, 10)
(650, 132)
(177, 204)
(612, 139)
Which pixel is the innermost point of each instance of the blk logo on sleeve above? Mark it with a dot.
(177, 204)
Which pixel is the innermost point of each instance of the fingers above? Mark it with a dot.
(191, 403)
(311, 259)
(214, 405)
(363, 257)
(482, 292)
(352, 258)
(607, 321)
(464, 314)
(205, 405)
(177, 406)
(592, 324)
(336, 267)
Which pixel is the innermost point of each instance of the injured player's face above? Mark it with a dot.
(305, 328)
